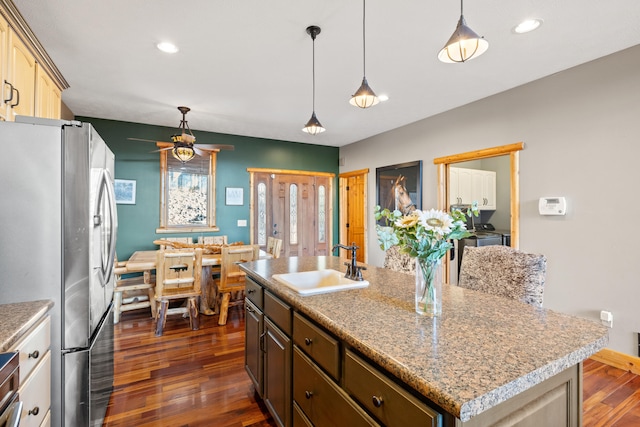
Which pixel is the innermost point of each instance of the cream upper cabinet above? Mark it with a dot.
(21, 77)
(4, 41)
(48, 96)
(472, 185)
(31, 83)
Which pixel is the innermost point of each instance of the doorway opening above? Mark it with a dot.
(353, 211)
(444, 181)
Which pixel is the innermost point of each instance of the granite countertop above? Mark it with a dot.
(482, 351)
(17, 318)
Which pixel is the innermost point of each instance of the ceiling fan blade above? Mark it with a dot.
(215, 147)
(148, 140)
(161, 149)
(199, 152)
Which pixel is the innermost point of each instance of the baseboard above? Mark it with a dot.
(618, 360)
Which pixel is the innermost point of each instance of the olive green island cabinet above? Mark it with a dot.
(363, 357)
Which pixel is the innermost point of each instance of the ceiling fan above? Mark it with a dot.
(184, 146)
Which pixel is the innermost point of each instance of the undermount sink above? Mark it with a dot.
(318, 282)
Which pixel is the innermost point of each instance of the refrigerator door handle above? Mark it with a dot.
(106, 193)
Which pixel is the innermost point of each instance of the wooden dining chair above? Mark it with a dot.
(231, 277)
(187, 240)
(504, 271)
(133, 292)
(274, 246)
(214, 240)
(178, 276)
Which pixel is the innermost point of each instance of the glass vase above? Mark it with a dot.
(428, 287)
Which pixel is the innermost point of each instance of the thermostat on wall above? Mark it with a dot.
(552, 206)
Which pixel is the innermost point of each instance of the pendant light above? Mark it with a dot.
(313, 126)
(364, 97)
(464, 44)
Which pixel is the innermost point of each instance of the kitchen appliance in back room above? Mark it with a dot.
(58, 233)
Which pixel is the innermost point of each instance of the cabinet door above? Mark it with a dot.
(253, 350)
(484, 189)
(460, 189)
(4, 59)
(489, 189)
(277, 374)
(48, 97)
(22, 75)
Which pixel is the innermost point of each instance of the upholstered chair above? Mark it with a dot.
(504, 271)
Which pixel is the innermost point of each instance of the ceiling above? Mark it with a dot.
(245, 67)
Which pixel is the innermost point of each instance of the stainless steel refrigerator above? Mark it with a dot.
(58, 228)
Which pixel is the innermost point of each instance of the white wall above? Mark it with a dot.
(580, 129)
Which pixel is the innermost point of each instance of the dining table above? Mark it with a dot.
(145, 262)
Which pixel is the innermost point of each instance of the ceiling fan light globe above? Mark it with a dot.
(183, 153)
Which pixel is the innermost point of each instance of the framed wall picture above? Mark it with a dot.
(125, 191)
(234, 196)
(400, 186)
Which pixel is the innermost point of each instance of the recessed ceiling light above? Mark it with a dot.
(167, 47)
(383, 97)
(527, 26)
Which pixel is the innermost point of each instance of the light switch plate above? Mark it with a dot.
(242, 223)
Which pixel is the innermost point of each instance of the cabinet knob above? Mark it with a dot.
(250, 291)
(34, 411)
(34, 355)
(308, 394)
(308, 341)
(377, 401)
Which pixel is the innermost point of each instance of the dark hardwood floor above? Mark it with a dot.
(196, 378)
(184, 378)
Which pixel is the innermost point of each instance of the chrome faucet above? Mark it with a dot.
(354, 271)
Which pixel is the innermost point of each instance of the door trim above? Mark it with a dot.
(342, 213)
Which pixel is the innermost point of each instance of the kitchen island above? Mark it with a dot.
(485, 359)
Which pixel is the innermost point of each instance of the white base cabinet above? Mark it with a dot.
(35, 374)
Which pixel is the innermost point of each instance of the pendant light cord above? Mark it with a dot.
(461, 8)
(364, 43)
(313, 72)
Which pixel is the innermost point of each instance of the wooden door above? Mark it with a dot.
(294, 207)
(353, 190)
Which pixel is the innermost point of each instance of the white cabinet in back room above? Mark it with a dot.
(472, 185)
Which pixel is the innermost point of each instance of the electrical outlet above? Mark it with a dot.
(242, 223)
(606, 317)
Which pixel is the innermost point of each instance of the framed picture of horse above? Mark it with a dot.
(400, 186)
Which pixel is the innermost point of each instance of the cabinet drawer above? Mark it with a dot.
(253, 292)
(320, 346)
(321, 400)
(35, 394)
(33, 346)
(47, 420)
(387, 401)
(278, 312)
(299, 418)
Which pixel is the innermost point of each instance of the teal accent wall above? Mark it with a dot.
(134, 160)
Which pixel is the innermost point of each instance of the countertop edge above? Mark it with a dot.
(31, 312)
